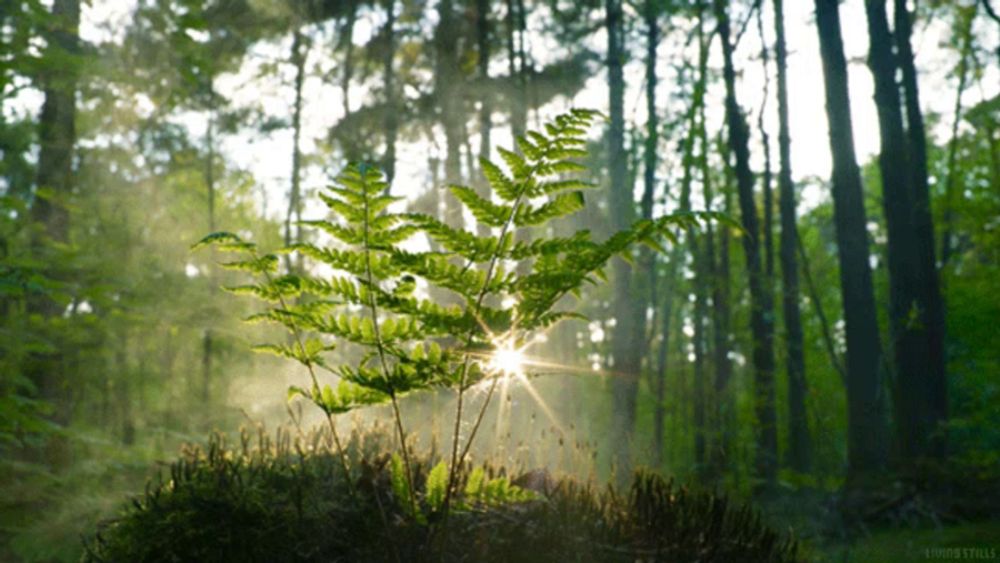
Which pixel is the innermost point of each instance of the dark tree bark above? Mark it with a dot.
(799, 441)
(761, 313)
(867, 433)
(647, 259)
(624, 349)
(57, 125)
(55, 177)
(925, 435)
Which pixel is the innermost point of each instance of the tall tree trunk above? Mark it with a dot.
(388, 80)
(624, 349)
(929, 411)
(799, 441)
(951, 168)
(348, 39)
(207, 345)
(446, 90)
(515, 29)
(908, 310)
(867, 432)
(761, 314)
(647, 259)
(57, 124)
(295, 199)
(49, 212)
(485, 95)
(660, 384)
(767, 177)
(701, 398)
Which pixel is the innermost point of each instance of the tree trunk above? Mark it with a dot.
(768, 176)
(485, 95)
(951, 179)
(867, 432)
(49, 213)
(295, 200)
(761, 314)
(912, 358)
(799, 441)
(57, 124)
(206, 349)
(447, 92)
(624, 350)
(929, 411)
(647, 259)
(348, 70)
(392, 109)
(515, 29)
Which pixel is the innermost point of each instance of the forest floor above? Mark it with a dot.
(920, 544)
(826, 537)
(43, 515)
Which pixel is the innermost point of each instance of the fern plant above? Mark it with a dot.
(504, 290)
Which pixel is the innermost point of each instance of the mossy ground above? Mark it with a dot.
(287, 500)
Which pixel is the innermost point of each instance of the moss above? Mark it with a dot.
(290, 502)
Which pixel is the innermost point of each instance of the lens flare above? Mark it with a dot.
(507, 360)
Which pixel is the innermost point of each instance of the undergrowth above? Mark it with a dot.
(286, 499)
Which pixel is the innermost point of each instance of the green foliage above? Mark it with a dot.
(408, 340)
(270, 502)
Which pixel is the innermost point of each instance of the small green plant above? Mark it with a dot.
(503, 291)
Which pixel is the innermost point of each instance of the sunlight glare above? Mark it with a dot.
(507, 360)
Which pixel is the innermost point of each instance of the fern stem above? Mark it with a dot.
(381, 348)
(457, 460)
(315, 383)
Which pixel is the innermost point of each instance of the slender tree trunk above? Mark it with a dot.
(647, 259)
(295, 201)
(930, 411)
(348, 70)
(660, 385)
(799, 441)
(699, 392)
(483, 66)
(518, 109)
(207, 345)
(701, 398)
(392, 110)
(485, 94)
(446, 89)
(951, 179)
(768, 176)
(867, 433)
(821, 317)
(624, 349)
(761, 314)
